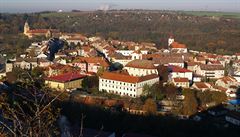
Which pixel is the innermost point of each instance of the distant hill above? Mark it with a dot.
(205, 31)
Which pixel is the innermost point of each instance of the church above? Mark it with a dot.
(40, 32)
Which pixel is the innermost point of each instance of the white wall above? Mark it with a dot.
(124, 88)
(140, 71)
(188, 75)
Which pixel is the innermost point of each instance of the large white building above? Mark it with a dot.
(124, 84)
(211, 71)
(141, 68)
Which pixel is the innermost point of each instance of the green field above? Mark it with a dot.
(212, 13)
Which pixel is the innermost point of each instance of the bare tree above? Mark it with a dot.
(28, 110)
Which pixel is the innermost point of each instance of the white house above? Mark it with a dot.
(141, 68)
(178, 72)
(118, 57)
(211, 71)
(227, 82)
(181, 82)
(178, 48)
(169, 60)
(202, 86)
(124, 84)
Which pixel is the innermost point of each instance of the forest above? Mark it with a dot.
(217, 34)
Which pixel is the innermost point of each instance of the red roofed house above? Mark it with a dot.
(227, 81)
(210, 71)
(39, 32)
(141, 67)
(202, 86)
(178, 48)
(90, 64)
(178, 72)
(124, 84)
(65, 81)
(181, 82)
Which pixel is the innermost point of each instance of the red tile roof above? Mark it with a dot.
(201, 85)
(66, 77)
(177, 45)
(126, 78)
(228, 79)
(179, 69)
(180, 80)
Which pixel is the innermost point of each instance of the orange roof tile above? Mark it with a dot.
(66, 77)
(177, 45)
(178, 69)
(201, 85)
(180, 80)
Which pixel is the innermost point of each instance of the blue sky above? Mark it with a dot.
(67, 5)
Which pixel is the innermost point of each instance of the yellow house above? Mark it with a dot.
(65, 81)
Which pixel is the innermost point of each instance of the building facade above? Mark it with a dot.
(124, 84)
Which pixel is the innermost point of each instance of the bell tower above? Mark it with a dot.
(26, 28)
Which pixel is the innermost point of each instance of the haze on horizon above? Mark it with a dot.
(20, 6)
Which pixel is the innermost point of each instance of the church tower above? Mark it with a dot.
(170, 40)
(26, 28)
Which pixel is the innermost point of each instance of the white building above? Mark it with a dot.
(169, 60)
(227, 82)
(178, 48)
(178, 72)
(170, 40)
(129, 52)
(124, 84)
(181, 82)
(211, 71)
(141, 68)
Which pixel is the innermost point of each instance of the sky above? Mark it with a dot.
(16, 6)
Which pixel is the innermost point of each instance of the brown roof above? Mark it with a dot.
(178, 69)
(167, 60)
(119, 56)
(201, 85)
(193, 63)
(221, 88)
(126, 78)
(227, 79)
(211, 67)
(177, 45)
(180, 80)
(66, 77)
(97, 60)
(144, 64)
